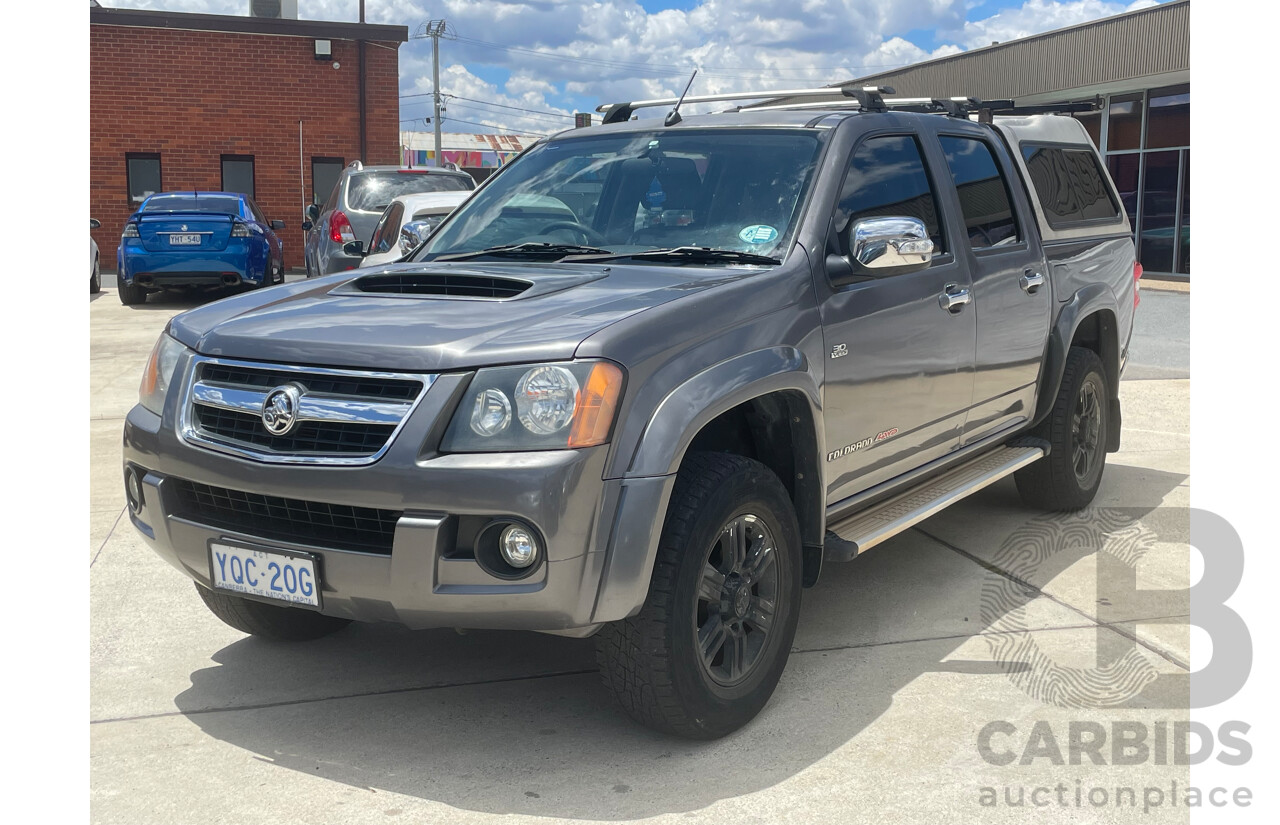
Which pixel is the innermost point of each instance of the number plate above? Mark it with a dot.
(286, 577)
(184, 240)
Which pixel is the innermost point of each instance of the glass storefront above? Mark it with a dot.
(1147, 145)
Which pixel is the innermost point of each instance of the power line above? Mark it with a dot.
(499, 128)
(516, 108)
(540, 118)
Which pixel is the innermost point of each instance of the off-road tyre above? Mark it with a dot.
(280, 624)
(1078, 422)
(651, 661)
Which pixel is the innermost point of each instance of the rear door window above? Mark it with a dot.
(1070, 185)
(385, 233)
(983, 190)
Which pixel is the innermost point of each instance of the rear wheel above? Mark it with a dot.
(130, 294)
(706, 651)
(281, 624)
(1069, 477)
(95, 279)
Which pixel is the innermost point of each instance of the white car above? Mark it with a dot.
(95, 278)
(406, 222)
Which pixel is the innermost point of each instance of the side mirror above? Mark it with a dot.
(313, 212)
(94, 223)
(890, 246)
(306, 226)
(277, 224)
(354, 248)
(414, 233)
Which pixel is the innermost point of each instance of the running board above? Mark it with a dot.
(866, 529)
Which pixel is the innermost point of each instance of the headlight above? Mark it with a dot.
(158, 373)
(543, 407)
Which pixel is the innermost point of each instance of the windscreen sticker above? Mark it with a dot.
(760, 233)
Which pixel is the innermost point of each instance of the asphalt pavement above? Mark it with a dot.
(904, 661)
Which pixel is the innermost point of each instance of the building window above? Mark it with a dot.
(324, 178)
(1169, 117)
(1124, 122)
(143, 172)
(983, 191)
(237, 174)
(1159, 211)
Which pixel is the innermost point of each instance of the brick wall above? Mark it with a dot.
(193, 96)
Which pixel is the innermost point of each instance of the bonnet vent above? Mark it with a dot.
(456, 285)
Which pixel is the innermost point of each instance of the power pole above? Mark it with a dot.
(435, 28)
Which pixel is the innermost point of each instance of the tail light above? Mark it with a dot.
(130, 231)
(340, 230)
(1137, 276)
(240, 230)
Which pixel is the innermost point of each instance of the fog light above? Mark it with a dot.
(133, 489)
(519, 547)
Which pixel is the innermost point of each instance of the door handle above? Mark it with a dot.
(953, 298)
(1031, 281)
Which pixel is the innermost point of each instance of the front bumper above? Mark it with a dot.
(596, 556)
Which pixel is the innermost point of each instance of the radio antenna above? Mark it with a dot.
(673, 117)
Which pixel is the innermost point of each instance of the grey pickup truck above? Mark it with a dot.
(646, 382)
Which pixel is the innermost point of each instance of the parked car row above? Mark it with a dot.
(221, 240)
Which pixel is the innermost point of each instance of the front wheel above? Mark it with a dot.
(1069, 477)
(280, 624)
(95, 279)
(705, 652)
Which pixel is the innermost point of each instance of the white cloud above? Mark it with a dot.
(600, 50)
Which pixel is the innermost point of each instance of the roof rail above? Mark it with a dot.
(355, 165)
(866, 99)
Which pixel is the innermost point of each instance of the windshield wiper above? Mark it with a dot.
(688, 254)
(538, 250)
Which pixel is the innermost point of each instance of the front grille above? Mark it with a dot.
(339, 416)
(333, 526)
(357, 386)
(310, 437)
(429, 283)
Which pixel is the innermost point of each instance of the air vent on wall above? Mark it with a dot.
(275, 9)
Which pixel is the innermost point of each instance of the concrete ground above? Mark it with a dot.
(902, 658)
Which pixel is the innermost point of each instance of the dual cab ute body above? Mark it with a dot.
(809, 327)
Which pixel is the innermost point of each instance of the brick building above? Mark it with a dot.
(270, 107)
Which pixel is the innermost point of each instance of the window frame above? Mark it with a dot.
(1099, 166)
(939, 258)
(128, 175)
(1022, 244)
(253, 173)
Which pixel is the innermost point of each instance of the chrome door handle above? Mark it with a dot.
(953, 298)
(1031, 281)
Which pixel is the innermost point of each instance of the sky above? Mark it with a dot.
(527, 65)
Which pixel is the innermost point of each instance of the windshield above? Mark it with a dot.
(724, 189)
(217, 204)
(374, 191)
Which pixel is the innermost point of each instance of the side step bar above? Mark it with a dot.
(866, 529)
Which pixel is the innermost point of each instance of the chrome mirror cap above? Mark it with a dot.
(885, 245)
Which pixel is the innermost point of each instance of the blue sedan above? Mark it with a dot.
(191, 240)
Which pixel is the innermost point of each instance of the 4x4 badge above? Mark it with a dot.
(839, 350)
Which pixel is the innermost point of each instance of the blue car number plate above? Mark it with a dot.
(284, 577)
(184, 240)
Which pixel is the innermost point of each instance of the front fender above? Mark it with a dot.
(650, 477)
(696, 402)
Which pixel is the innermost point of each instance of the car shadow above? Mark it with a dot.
(168, 301)
(511, 723)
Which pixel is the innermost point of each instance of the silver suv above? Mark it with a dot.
(358, 199)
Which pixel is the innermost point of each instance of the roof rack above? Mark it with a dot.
(865, 98)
